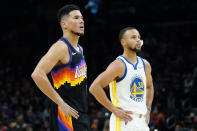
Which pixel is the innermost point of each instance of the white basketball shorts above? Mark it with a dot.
(137, 124)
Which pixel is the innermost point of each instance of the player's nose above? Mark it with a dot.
(138, 40)
(81, 21)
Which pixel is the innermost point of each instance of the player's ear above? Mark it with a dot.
(64, 24)
(122, 41)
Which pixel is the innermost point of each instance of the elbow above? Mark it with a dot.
(94, 88)
(34, 75)
(91, 90)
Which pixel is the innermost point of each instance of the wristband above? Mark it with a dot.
(148, 108)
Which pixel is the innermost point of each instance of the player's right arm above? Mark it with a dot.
(113, 72)
(56, 53)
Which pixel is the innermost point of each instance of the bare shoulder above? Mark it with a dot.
(57, 52)
(117, 64)
(117, 68)
(59, 46)
(59, 49)
(114, 71)
(147, 64)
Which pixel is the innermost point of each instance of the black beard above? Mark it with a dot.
(76, 33)
(135, 50)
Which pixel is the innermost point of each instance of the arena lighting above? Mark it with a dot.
(93, 5)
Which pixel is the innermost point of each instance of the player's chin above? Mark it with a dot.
(81, 30)
(138, 49)
(81, 33)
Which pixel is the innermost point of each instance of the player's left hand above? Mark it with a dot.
(147, 117)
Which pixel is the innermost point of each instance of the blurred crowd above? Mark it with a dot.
(170, 47)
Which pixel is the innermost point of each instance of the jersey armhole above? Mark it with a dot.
(70, 52)
(124, 72)
(144, 65)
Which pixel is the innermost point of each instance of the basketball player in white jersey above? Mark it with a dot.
(131, 87)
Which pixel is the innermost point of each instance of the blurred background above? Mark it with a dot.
(168, 28)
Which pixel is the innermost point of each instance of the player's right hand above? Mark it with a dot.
(123, 114)
(67, 110)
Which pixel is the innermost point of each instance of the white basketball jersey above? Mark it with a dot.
(129, 93)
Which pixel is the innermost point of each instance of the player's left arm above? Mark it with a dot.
(149, 89)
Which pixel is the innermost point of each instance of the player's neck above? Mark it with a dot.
(130, 56)
(73, 39)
